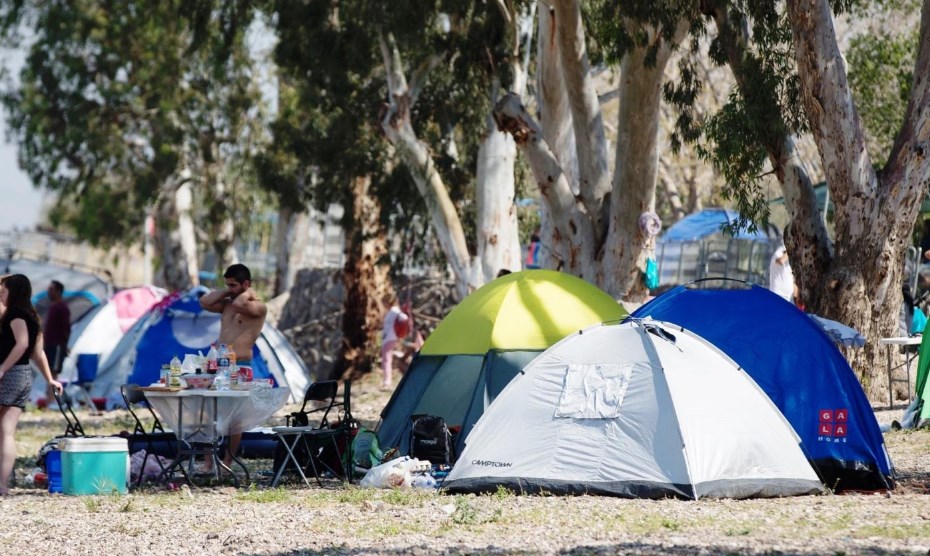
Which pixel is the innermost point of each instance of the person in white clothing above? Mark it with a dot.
(389, 339)
(781, 278)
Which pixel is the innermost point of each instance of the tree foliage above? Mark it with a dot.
(881, 65)
(116, 98)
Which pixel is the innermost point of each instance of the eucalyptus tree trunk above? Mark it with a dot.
(595, 235)
(367, 283)
(637, 162)
(874, 211)
(174, 239)
(222, 223)
(498, 244)
(498, 238)
(587, 120)
(283, 279)
(809, 244)
(555, 118)
(398, 129)
(187, 235)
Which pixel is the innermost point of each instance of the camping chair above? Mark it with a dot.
(79, 392)
(310, 439)
(154, 438)
(74, 427)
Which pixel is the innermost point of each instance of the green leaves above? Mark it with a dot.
(881, 68)
(115, 98)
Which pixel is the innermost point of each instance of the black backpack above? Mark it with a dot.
(431, 440)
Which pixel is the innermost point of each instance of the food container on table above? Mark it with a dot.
(200, 381)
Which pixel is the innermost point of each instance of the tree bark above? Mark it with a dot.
(637, 162)
(873, 218)
(186, 235)
(498, 239)
(367, 284)
(172, 270)
(498, 242)
(806, 237)
(555, 119)
(571, 227)
(282, 276)
(223, 226)
(399, 131)
(588, 122)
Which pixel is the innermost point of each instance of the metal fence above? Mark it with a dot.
(740, 259)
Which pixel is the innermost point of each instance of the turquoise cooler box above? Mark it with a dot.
(94, 465)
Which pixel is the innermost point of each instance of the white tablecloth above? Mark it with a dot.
(236, 411)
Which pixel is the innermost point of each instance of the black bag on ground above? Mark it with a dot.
(431, 440)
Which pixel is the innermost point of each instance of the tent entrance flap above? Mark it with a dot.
(426, 388)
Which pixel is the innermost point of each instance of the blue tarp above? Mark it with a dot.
(706, 223)
(794, 361)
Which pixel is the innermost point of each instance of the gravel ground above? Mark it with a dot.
(348, 520)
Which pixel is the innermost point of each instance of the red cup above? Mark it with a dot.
(245, 374)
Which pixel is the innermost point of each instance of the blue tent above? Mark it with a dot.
(794, 361)
(178, 325)
(708, 222)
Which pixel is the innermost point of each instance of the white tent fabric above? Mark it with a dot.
(641, 409)
(100, 331)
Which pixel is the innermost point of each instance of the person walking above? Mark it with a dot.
(56, 330)
(243, 316)
(20, 341)
(396, 326)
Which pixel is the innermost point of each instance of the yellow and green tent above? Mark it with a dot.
(484, 342)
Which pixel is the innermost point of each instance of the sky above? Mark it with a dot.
(22, 203)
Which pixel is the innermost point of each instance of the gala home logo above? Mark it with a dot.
(833, 426)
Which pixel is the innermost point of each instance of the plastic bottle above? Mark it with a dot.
(222, 359)
(211, 360)
(423, 481)
(175, 367)
(222, 368)
(233, 367)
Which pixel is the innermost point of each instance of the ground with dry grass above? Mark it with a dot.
(338, 519)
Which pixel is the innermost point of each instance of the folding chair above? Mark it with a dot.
(155, 438)
(79, 392)
(74, 427)
(306, 437)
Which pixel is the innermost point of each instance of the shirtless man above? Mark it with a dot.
(241, 323)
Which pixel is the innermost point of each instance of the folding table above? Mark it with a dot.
(202, 418)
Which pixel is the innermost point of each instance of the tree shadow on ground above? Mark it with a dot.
(638, 548)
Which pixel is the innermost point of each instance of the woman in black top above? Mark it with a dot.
(19, 335)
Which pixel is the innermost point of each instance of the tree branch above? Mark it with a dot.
(591, 144)
(421, 75)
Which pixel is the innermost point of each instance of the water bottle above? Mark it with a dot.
(222, 368)
(423, 481)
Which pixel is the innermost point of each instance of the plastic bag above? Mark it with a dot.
(652, 274)
(395, 473)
